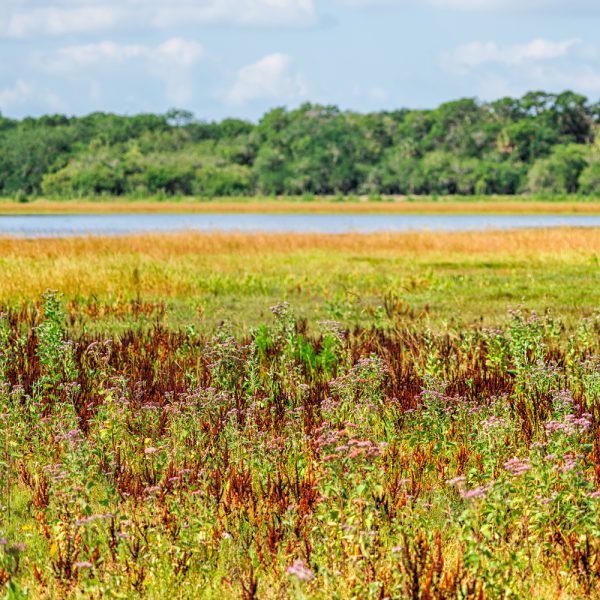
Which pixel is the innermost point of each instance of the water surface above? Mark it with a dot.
(120, 224)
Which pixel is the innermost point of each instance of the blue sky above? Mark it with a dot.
(239, 58)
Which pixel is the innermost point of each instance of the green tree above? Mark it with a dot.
(589, 180)
(560, 172)
(465, 147)
(28, 152)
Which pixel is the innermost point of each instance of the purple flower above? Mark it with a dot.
(84, 564)
(15, 549)
(517, 466)
(300, 570)
(456, 480)
(569, 464)
(478, 492)
(493, 421)
(363, 444)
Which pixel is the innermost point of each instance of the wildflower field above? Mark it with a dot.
(307, 416)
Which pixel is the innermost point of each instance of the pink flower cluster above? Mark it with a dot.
(92, 518)
(478, 492)
(570, 424)
(456, 480)
(517, 466)
(300, 570)
(355, 448)
(493, 421)
(570, 462)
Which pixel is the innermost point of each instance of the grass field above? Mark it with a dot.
(330, 205)
(301, 416)
(431, 278)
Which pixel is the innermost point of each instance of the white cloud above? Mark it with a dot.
(24, 93)
(237, 12)
(28, 18)
(175, 53)
(580, 78)
(512, 70)
(28, 21)
(73, 58)
(171, 62)
(513, 6)
(270, 78)
(15, 95)
(475, 54)
(376, 95)
(178, 52)
(584, 80)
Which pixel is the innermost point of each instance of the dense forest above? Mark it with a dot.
(540, 143)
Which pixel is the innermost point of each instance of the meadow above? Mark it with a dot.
(301, 416)
(431, 278)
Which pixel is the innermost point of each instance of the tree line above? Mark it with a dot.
(540, 143)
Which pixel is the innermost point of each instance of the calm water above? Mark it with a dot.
(118, 224)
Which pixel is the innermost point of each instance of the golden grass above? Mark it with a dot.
(531, 242)
(234, 276)
(487, 205)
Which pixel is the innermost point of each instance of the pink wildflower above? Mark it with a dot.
(456, 480)
(300, 570)
(478, 492)
(517, 466)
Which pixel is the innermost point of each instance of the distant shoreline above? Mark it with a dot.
(503, 205)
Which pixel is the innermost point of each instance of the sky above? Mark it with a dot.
(240, 58)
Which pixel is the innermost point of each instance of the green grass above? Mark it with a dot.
(534, 204)
(436, 279)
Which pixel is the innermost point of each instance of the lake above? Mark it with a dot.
(121, 224)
